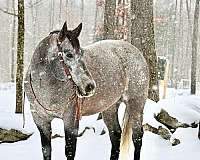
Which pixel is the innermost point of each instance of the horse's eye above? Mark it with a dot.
(69, 55)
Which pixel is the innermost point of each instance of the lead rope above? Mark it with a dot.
(30, 79)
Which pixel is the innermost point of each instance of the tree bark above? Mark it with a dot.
(20, 58)
(194, 48)
(109, 19)
(142, 36)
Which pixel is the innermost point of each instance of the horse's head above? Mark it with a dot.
(66, 59)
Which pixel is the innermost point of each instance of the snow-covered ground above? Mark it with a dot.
(93, 146)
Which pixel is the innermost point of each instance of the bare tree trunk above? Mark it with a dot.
(20, 58)
(60, 12)
(66, 10)
(13, 44)
(82, 10)
(51, 15)
(189, 35)
(173, 73)
(181, 45)
(194, 48)
(142, 36)
(123, 18)
(95, 23)
(34, 18)
(109, 19)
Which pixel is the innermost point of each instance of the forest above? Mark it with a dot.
(99, 79)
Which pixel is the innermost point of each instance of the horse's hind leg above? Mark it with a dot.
(110, 117)
(136, 117)
(44, 128)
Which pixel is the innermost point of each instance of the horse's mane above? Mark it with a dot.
(74, 41)
(55, 31)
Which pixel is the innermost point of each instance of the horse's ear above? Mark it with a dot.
(76, 32)
(63, 32)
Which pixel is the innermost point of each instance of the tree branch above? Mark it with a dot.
(7, 12)
(14, 14)
(31, 5)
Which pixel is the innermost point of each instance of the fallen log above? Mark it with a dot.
(170, 122)
(12, 135)
(163, 132)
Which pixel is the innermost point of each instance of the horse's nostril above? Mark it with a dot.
(89, 87)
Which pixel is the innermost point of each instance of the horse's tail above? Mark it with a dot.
(126, 138)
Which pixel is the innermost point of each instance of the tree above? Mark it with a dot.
(121, 24)
(60, 12)
(98, 23)
(194, 48)
(142, 36)
(82, 10)
(20, 58)
(51, 14)
(13, 43)
(34, 14)
(109, 19)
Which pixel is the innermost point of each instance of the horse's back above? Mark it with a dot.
(131, 59)
(128, 54)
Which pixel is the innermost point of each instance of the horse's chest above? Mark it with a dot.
(110, 78)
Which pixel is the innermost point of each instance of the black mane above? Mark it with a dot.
(74, 41)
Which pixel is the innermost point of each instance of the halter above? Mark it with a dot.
(68, 74)
(60, 56)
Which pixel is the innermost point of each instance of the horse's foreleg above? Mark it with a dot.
(44, 128)
(110, 117)
(71, 132)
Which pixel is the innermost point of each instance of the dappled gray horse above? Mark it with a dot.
(66, 81)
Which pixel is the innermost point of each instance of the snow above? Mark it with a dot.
(92, 145)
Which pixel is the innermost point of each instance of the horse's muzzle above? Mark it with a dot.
(88, 91)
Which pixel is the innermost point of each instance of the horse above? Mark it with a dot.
(67, 81)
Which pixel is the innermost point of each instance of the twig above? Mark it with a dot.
(7, 12)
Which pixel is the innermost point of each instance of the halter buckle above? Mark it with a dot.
(60, 54)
